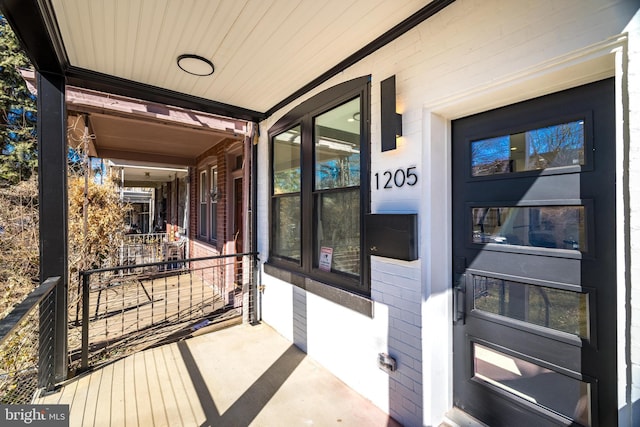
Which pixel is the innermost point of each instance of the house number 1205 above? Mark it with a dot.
(397, 178)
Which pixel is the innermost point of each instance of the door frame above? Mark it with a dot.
(604, 59)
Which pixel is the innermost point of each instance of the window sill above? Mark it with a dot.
(352, 301)
(208, 243)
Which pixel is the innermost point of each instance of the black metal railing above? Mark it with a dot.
(27, 346)
(127, 308)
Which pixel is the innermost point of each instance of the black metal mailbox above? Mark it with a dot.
(392, 235)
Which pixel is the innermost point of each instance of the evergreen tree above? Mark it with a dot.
(18, 142)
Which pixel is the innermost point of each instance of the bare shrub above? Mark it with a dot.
(19, 253)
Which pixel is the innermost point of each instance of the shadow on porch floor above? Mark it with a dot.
(240, 376)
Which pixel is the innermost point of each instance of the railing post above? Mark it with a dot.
(46, 340)
(84, 352)
(253, 290)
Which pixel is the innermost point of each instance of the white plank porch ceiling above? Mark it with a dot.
(262, 50)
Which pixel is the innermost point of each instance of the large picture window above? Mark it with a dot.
(320, 187)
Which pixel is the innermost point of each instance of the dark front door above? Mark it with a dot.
(534, 258)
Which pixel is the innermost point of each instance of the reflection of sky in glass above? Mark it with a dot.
(568, 136)
(486, 151)
(330, 175)
(551, 146)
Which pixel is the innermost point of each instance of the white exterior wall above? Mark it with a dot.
(473, 56)
(629, 121)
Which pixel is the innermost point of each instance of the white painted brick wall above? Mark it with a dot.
(467, 48)
(398, 286)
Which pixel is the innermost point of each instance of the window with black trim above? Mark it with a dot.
(319, 183)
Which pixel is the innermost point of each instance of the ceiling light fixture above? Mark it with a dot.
(195, 64)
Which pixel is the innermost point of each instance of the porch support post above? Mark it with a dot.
(52, 193)
(251, 224)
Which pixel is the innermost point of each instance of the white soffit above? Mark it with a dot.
(262, 50)
(141, 172)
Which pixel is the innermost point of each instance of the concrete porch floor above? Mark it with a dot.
(241, 376)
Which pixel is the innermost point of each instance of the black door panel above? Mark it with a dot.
(533, 200)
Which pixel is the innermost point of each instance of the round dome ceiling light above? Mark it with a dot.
(195, 64)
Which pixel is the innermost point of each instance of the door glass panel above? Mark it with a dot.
(557, 309)
(561, 227)
(549, 147)
(562, 394)
(338, 230)
(286, 223)
(337, 147)
(286, 162)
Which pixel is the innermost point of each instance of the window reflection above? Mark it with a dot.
(543, 148)
(339, 229)
(557, 309)
(560, 393)
(337, 147)
(286, 162)
(561, 227)
(336, 194)
(286, 225)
